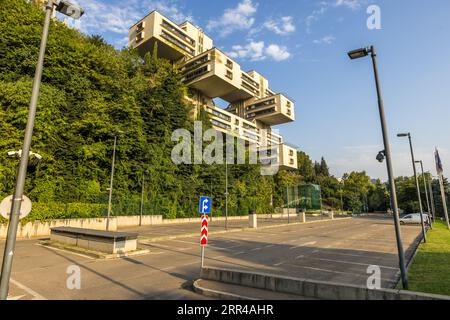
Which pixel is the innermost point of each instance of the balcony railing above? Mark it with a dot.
(195, 74)
(177, 42)
(178, 33)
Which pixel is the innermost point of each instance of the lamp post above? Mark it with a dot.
(226, 194)
(360, 53)
(403, 135)
(425, 187)
(430, 188)
(74, 12)
(142, 199)
(116, 135)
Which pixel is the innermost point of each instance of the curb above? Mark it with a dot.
(145, 240)
(90, 253)
(218, 294)
(310, 288)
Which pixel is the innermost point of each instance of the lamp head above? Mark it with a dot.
(359, 53)
(402, 135)
(69, 9)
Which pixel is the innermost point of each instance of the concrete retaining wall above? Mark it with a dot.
(309, 288)
(42, 229)
(133, 221)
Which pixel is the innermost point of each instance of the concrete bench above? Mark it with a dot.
(96, 240)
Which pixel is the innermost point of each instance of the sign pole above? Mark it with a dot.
(203, 256)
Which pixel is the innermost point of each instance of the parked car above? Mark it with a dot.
(414, 218)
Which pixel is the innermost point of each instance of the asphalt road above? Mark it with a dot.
(339, 250)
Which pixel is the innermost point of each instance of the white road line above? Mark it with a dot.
(238, 253)
(36, 296)
(269, 246)
(300, 257)
(278, 264)
(338, 272)
(256, 249)
(355, 263)
(15, 298)
(182, 241)
(303, 245)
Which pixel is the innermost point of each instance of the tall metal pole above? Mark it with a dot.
(425, 187)
(226, 194)
(22, 172)
(390, 171)
(289, 206)
(142, 200)
(211, 195)
(424, 233)
(444, 199)
(433, 208)
(111, 182)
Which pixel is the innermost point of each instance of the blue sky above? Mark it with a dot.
(301, 45)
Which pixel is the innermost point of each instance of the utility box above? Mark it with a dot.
(253, 219)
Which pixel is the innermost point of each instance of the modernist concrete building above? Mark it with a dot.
(209, 73)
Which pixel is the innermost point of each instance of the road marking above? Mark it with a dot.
(339, 272)
(278, 264)
(182, 241)
(355, 263)
(303, 245)
(15, 298)
(269, 246)
(238, 253)
(256, 249)
(300, 257)
(36, 296)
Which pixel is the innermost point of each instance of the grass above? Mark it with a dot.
(430, 271)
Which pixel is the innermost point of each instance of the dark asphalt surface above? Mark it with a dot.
(339, 251)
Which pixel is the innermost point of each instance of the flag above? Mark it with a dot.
(439, 168)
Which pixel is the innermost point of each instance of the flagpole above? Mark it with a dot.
(444, 199)
(440, 172)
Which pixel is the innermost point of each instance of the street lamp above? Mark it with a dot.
(72, 11)
(116, 135)
(142, 198)
(226, 194)
(426, 189)
(359, 53)
(404, 135)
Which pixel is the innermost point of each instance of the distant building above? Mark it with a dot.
(210, 73)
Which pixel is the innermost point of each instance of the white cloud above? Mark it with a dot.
(325, 40)
(235, 19)
(351, 4)
(253, 51)
(278, 53)
(315, 15)
(101, 17)
(283, 26)
(258, 51)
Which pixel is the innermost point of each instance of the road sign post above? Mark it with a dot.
(204, 237)
(204, 208)
(205, 205)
